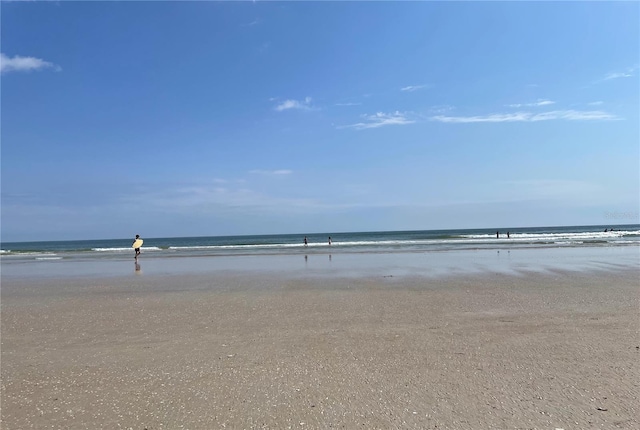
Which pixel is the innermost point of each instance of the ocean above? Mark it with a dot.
(318, 243)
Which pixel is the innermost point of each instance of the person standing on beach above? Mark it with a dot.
(329, 240)
(305, 241)
(137, 250)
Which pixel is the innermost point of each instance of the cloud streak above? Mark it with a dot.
(540, 102)
(412, 88)
(280, 172)
(381, 119)
(566, 115)
(294, 104)
(24, 64)
(617, 75)
(628, 73)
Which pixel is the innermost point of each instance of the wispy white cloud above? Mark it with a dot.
(272, 172)
(617, 75)
(381, 119)
(294, 104)
(540, 102)
(598, 103)
(348, 104)
(568, 115)
(629, 73)
(440, 109)
(501, 117)
(24, 64)
(412, 88)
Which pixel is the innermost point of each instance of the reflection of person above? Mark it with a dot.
(305, 241)
(138, 268)
(137, 249)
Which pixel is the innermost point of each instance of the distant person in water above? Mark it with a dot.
(497, 234)
(329, 240)
(508, 235)
(305, 241)
(136, 249)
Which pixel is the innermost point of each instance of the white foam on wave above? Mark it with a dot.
(252, 246)
(301, 245)
(48, 258)
(146, 248)
(17, 253)
(555, 236)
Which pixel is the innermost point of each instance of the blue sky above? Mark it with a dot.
(223, 118)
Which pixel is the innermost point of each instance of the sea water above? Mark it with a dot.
(318, 243)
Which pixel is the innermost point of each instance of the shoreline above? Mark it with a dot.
(340, 243)
(399, 263)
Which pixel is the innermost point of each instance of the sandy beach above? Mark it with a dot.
(258, 349)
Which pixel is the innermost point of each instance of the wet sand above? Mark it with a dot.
(258, 349)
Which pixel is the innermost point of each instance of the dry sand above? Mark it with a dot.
(554, 350)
